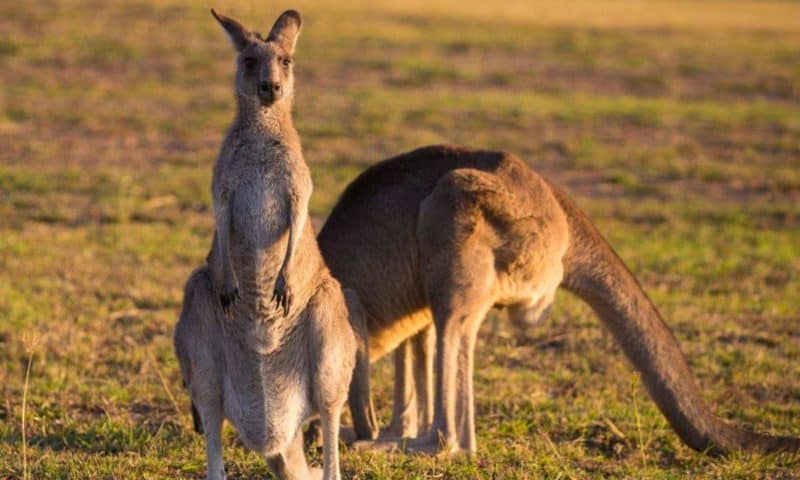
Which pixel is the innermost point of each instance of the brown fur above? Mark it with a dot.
(443, 234)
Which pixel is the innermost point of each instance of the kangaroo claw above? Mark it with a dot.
(228, 301)
(281, 295)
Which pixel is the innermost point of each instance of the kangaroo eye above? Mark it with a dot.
(250, 62)
(286, 62)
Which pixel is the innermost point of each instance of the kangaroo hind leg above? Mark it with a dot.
(196, 345)
(335, 346)
(424, 362)
(365, 421)
(456, 246)
(404, 404)
(412, 412)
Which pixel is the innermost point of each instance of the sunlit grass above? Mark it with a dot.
(675, 125)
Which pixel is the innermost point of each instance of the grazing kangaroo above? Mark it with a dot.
(264, 338)
(442, 235)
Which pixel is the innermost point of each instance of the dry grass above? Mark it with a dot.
(676, 126)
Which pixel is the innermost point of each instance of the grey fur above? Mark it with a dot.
(264, 337)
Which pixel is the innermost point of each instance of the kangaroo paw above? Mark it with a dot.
(228, 300)
(312, 438)
(281, 295)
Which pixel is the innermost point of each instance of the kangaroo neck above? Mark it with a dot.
(273, 121)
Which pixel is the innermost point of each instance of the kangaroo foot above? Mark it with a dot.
(427, 445)
(382, 444)
(397, 429)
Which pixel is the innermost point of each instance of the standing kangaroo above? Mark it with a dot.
(264, 338)
(442, 235)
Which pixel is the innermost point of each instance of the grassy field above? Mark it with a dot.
(676, 125)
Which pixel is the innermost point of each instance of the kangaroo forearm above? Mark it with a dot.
(298, 214)
(214, 262)
(224, 265)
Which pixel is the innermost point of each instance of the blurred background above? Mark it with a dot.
(675, 124)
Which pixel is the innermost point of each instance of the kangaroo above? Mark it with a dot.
(440, 235)
(266, 337)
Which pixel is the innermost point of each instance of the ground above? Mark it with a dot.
(676, 126)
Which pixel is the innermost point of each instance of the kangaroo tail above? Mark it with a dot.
(595, 273)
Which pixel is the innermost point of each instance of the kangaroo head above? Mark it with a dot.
(264, 72)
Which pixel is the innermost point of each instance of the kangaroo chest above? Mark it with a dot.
(260, 207)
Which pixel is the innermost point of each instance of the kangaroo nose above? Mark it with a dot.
(270, 87)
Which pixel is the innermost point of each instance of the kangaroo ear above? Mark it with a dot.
(286, 30)
(240, 36)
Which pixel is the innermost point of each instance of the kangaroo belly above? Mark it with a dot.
(383, 338)
(267, 407)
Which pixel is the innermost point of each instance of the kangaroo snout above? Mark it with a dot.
(270, 91)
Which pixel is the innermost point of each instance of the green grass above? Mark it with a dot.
(675, 125)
